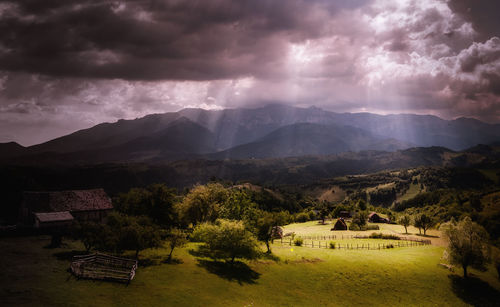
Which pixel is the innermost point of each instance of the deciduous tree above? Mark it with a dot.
(227, 240)
(405, 220)
(468, 245)
(175, 238)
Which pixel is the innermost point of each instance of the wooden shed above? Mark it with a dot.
(53, 219)
(83, 205)
(340, 225)
(376, 218)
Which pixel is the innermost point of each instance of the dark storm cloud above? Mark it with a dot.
(151, 40)
(67, 64)
(483, 14)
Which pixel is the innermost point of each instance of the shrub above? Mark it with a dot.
(383, 236)
(354, 227)
(390, 246)
(298, 242)
(227, 240)
(302, 217)
(332, 245)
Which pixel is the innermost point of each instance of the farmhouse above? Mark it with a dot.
(340, 225)
(44, 209)
(375, 218)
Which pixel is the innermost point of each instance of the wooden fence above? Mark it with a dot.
(350, 237)
(104, 267)
(350, 246)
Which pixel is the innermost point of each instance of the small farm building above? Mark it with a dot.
(340, 225)
(41, 209)
(376, 218)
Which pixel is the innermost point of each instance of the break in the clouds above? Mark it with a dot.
(66, 65)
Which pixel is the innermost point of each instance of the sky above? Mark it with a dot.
(67, 65)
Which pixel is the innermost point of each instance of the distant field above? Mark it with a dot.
(412, 192)
(303, 276)
(313, 228)
(492, 174)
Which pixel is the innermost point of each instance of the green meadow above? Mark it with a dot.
(292, 276)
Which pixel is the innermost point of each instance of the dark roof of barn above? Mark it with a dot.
(372, 214)
(54, 216)
(74, 200)
(340, 222)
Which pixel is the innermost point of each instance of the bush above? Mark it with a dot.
(390, 246)
(302, 217)
(298, 242)
(227, 240)
(354, 227)
(383, 236)
(332, 245)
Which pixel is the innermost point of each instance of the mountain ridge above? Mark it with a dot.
(235, 130)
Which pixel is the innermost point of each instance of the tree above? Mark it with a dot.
(323, 211)
(468, 245)
(237, 205)
(203, 203)
(405, 220)
(227, 240)
(362, 204)
(132, 233)
(417, 223)
(176, 238)
(155, 201)
(89, 234)
(360, 218)
(263, 226)
(424, 222)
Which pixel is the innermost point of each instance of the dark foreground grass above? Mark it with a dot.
(33, 275)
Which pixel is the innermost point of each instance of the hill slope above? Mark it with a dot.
(310, 139)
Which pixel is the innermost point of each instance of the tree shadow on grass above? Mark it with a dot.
(474, 291)
(270, 256)
(237, 271)
(173, 261)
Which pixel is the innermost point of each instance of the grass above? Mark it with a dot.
(413, 191)
(32, 275)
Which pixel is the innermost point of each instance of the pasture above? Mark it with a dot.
(293, 276)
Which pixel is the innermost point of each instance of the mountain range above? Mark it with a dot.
(273, 131)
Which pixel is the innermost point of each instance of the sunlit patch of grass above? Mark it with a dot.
(293, 276)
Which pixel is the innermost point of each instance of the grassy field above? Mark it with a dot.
(296, 276)
(413, 191)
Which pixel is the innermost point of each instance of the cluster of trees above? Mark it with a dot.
(121, 232)
(383, 197)
(421, 221)
(152, 216)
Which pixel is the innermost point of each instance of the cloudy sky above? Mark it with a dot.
(67, 65)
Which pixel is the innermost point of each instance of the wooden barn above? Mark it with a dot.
(376, 218)
(340, 225)
(41, 209)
